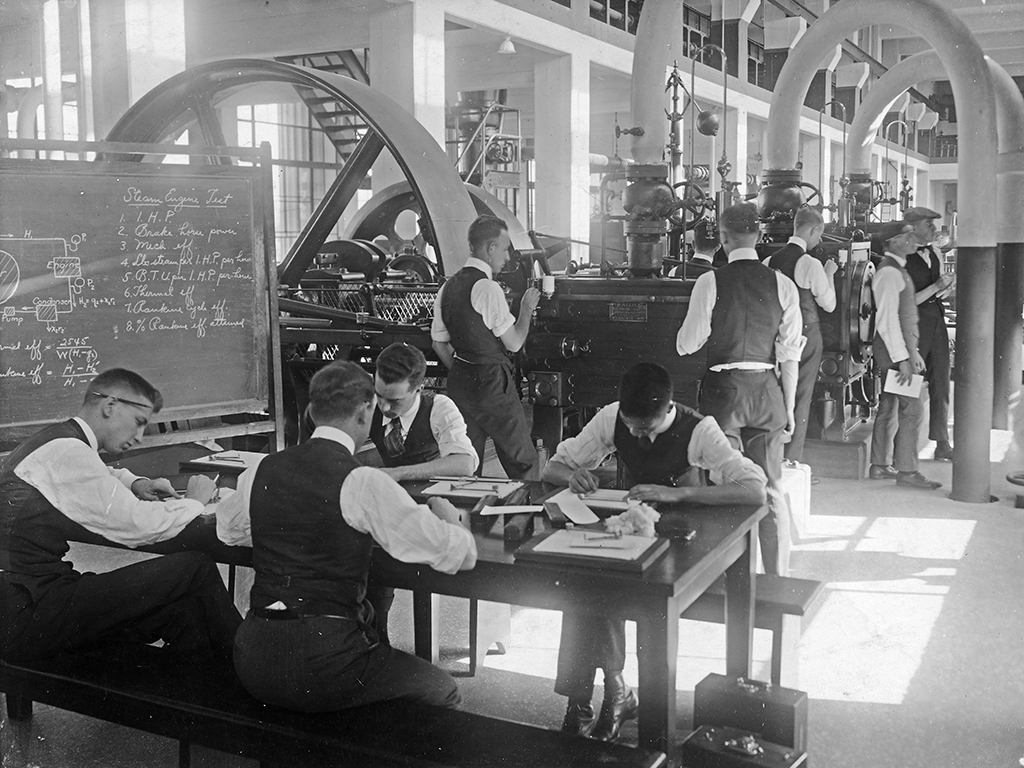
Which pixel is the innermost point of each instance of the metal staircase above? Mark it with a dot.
(342, 126)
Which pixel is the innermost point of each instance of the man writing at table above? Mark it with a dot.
(418, 435)
(312, 516)
(55, 487)
(663, 446)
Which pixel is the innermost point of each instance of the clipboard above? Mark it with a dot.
(578, 548)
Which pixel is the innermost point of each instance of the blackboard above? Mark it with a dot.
(158, 267)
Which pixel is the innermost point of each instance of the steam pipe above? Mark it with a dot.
(660, 28)
(723, 164)
(1009, 198)
(821, 151)
(973, 94)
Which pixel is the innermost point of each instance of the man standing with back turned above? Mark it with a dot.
(749, 315)
(814, 283)
(472, 330)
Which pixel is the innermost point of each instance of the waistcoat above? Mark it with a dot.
(907, 314)
(664, 459)
(470, 337)
(303, 551)
(923, 275)
(785, 260)
(746, 316)
(420, 445)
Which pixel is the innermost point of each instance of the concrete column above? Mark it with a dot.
(821, 91)
(562, 148)
(730, 20)
(407, 64)
(780, 35)
(53, 92)
(136, 46)
(736, 143)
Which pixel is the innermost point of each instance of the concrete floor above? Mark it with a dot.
(911, 659)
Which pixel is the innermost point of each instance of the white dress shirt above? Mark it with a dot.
(487, 298)
(809, 274)
(696, 328)
(446, 425)
(709, 449)
(73, 478)
(372, 503)
(886, 285)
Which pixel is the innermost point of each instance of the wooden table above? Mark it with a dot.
(654, 599)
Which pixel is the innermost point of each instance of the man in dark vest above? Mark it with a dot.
(895, 347)
(314, 514)
(816, 287)
(705, 244)
(472, 331)
(749, 316)
(55, 487)
(932, 285)
(425, 435)
(659, 444)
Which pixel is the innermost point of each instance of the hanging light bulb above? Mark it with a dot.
(506, 47)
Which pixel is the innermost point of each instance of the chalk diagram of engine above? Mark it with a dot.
(61, 265)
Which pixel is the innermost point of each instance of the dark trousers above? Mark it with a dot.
(381, 599)
(807, 377)
(486, 396)
(178, 598)
(588, 643)
(322, 664)
(934, 347)
(749, 407)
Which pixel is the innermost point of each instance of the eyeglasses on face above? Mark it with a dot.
(123, 400)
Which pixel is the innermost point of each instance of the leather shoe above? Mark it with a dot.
(620, 704)
(579, 717)
(917, 480)
(943, 453)
(882, 472)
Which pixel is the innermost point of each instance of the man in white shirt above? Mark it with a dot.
(312, 515)
(895, 348)
(749, 316)
(815, 285)
(55, 487)
(472, 330)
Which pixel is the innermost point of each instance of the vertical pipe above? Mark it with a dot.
(53, 96)
(1009, 335)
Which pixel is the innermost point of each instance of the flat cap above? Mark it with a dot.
(891, 229)
(740, 218)
(920, 213)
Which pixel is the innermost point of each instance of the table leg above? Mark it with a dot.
(425, 625)
(740, 585)
(657, 646)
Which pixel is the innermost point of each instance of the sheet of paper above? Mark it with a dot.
(472, 489)
(913, 389)
(589, 544)
(512, 509)
(573, 508)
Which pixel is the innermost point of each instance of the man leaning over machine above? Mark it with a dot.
(663, 446)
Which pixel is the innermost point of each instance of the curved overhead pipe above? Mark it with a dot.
(661, 29)
(972, 92)
(927, 65)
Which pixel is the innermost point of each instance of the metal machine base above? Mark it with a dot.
(846, 460)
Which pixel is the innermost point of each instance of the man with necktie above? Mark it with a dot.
(931, 285)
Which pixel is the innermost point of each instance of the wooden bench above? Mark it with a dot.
(135, 687)
(781, 602)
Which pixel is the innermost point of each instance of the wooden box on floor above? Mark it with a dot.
(776, 713)
(712, 746)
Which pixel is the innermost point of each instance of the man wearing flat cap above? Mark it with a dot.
(895, 347)
(749, 316)
(931, 285)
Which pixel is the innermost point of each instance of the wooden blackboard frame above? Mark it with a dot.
(172, 425)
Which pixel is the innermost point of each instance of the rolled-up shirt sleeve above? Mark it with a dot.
(789, 343)
(73, 478)
(811, 274)
(488, 299)
(886, 287)
(710, 449)
(438, 330)
(696, 327)
(449, 429)
(373, 503)
(594, 443)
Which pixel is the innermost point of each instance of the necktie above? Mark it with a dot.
(394, 442)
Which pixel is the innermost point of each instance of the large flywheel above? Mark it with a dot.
(361, 123)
